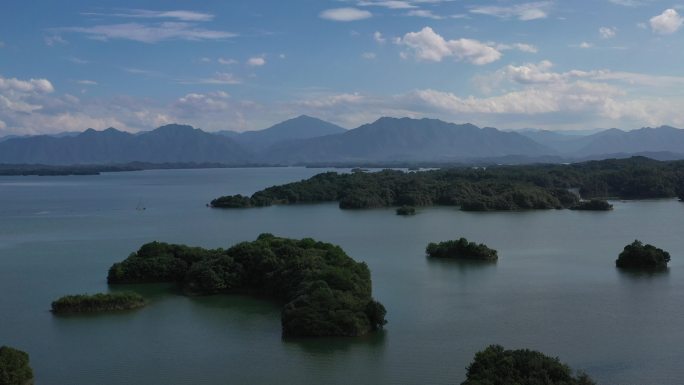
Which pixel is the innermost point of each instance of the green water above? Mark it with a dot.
(554, 289)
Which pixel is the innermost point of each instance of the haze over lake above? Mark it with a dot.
(554, 288)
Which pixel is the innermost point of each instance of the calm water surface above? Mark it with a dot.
(554, 289)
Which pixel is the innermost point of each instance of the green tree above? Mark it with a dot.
(14, 367)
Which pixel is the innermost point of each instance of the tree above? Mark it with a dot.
(498, 366)
(14, 367)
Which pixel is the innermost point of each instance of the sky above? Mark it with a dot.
(245, 65)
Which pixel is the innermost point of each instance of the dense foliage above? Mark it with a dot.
(593, 205)
(85, 303)
(326, 293)
(481, 189)
(461, 249)
(638, 255)
(497, 366)
(406, 210)
(14, 367)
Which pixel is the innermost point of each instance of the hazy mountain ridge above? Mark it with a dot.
(663, 139)
(307, 140)
(390, 139)
(301, 127)
(170, 143)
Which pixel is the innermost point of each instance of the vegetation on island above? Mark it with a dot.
(498, 366)
(100, 302)
(326, 293)
(406, 210)
(479, 188)
(636, 255)
(593, 205)
(461, 249)
(14, 367)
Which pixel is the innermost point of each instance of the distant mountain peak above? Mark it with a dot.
(175, 127)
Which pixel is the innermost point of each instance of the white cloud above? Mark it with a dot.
(345, 14)
(40, 86)
(368, 55)
(423, 13)
(77, 60)
(86, 82)
(667, 22)
(228, 61)
(629, 3)
(256, 61)
(377, 36)
(522, 47)
(607, 32)
(149, 14)
(524, 11)
(218, 78)
(53, 40)
(585, 45)
(150, 33)
(391, 4)
(427, 45)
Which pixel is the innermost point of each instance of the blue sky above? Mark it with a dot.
(244, 65)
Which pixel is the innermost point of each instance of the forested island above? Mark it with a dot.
(14, 367)
(325, 292)
(498, 366)
(100, 302)
(461, 249)
(406, 210)
(636, 255)
(593, 205)
(479, 189)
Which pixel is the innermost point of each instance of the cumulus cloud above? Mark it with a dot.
(368, 55)
(377, 36)
(257, 61)
(524, 11)
(667, 22)
(427, 45)
(607, 32)
(86, 82)
(345, 14)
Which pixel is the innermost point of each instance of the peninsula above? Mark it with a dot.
(500, 188)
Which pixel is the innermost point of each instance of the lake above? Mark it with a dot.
(554, 288)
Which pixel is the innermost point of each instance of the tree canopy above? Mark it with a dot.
(14, 367)
(498, 366)
(461, 249)
(479, 188)
(638, 255)
(326, 293)
(84, 303)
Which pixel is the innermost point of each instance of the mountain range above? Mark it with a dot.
(307, 140)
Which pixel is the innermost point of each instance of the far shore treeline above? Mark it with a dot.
(482, 188)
